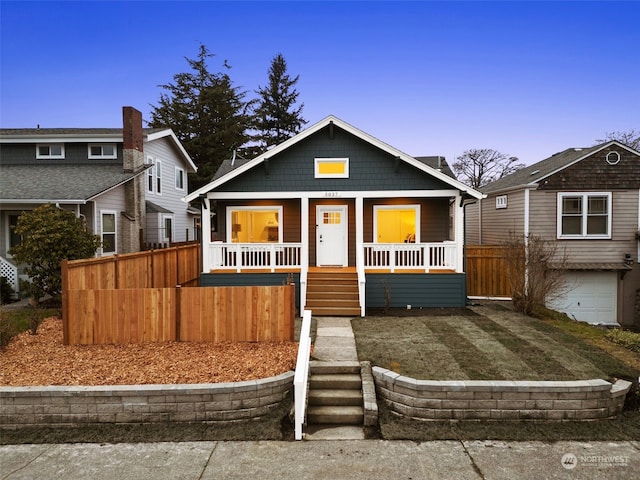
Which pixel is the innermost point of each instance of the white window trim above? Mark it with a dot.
(254, 208)
(102, 156)
(320, 160)
(102, 232)
(150, 175)
(165, 238)
(376, 208)
(179, 171)
(49, 157)
(158, 177)
(585, 197)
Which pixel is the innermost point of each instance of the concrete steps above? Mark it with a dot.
(333, 294)
(335, 394)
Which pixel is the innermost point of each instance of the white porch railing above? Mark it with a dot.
(410, 256)
(254, 256)
(9, 271)
(301, 376)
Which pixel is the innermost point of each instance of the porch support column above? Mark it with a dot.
(205, 223)
(304, 253)
(459, 233)
(360, 252)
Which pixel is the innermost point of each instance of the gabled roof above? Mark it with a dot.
(230, 170)
(62, 183)
(35, 135)
(530, 176)
(439, 163)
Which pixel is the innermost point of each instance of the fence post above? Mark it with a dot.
(178, 309)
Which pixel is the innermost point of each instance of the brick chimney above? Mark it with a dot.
(134, 215)
(133, 141)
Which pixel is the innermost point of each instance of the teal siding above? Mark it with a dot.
(249, 279)
(417, 290)
(369, 169)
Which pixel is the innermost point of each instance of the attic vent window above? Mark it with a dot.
(613, 158)
(331, 167)
(501, 201)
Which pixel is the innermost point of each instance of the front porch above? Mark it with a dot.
(385, 274)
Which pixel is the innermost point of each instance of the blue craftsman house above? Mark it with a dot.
(354, 222)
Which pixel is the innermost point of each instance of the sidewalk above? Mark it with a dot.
(360, 459)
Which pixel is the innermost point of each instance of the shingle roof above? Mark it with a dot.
(59, 182)
(45, 132)
(439, 163)
(533, 173)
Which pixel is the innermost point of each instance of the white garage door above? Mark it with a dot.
(592, 299)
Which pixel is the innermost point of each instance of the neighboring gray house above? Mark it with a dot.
(128, 183)
(353, 221)
(587, 200)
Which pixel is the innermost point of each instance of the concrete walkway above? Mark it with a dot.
(365, 459)
(334, 340)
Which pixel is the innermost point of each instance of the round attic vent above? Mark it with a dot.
(613, 158)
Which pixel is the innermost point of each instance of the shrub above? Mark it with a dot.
(6, 292)
(628, 340)
(8, 329)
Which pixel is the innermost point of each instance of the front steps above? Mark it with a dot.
(333, 293)
(335, 394)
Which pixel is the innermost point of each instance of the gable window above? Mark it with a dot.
(97, 151)
(396, 223)
(331, 167)
(50, 150)
(584, 215)
(254, 224)
(179, 178)
(108, 232)
(501, 201)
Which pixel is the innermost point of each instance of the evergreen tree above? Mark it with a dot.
(208, 114)
(276, 118)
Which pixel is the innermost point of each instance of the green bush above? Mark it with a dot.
(6, 292)
(628, 340)
(8, 329)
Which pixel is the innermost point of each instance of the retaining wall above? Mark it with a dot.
(65, 406)
(500, 400)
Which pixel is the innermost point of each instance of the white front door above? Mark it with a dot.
(331, 235)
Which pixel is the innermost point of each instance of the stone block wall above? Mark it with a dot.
(66, 406)
(500, 400)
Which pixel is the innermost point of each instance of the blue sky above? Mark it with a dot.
(429, 78)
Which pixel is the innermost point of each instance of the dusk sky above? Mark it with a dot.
(430, 78)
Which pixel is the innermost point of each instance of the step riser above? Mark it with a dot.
(323, 368)
(335, 420)
(335, 385)
(318, 397)
(325, 312)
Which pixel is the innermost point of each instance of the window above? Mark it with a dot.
(584, 215)
(168, 229)
(501, 201)
(331, 167)
(158, 177)
(613, 158)
(254, 224)
(179, 178)
(108, 232)
(14, 238)
(150, 175)
(102, 151)
(51, 150)
(396, 223)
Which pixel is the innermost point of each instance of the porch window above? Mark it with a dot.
(396, 223)
(254, 224)
(584, 215)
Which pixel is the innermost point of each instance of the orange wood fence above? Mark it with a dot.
(196, 314)
(487, 271)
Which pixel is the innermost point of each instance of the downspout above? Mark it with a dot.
(526, 239)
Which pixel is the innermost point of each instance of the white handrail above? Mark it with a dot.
(301, 376)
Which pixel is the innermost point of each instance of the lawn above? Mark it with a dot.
(484, 343)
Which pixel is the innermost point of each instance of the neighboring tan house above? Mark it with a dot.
(587, 200)
(128, 183)
(354, 222)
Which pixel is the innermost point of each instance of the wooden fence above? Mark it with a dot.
(200, 314)
(487, 271)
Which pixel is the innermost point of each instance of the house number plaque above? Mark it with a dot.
(331, 194)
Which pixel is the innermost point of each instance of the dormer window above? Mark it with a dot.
(102, 151)
(50, 151)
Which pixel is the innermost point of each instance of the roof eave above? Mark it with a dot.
(169, 133)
